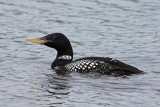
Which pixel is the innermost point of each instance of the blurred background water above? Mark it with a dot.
(128, 30)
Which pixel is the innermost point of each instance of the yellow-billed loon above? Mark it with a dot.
(64, 64)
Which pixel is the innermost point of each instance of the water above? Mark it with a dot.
(128, 30)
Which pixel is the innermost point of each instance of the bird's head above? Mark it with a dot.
(55, 40)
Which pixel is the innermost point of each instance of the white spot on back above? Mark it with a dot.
(113, 60)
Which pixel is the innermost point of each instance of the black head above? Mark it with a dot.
(59, 42)
(56, 40)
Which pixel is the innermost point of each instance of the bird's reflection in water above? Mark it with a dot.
(57, 85)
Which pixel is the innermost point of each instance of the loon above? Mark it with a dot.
(64, 64)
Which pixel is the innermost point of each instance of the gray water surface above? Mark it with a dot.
(128, 30)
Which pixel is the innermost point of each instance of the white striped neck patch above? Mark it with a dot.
(65, 57)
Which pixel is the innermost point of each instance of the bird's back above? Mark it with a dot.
(104, 65)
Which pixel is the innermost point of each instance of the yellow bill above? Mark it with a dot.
(36, 40)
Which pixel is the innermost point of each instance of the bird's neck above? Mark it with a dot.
(68, 52)
(64, 56)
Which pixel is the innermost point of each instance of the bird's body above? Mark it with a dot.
(64, 64)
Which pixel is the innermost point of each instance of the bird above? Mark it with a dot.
(64, 64)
